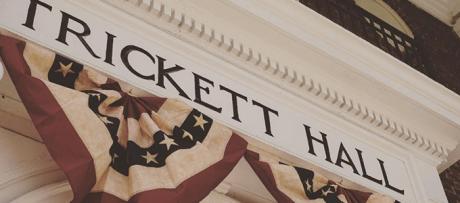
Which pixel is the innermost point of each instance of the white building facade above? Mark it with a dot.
(315, 77)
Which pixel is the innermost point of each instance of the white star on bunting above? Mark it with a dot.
(114, 157)
(327, 192)
(96, 94)
(308, 185)
(65, 69)
(168, 142)
(150, 157)
(187, 134)
(199, 121)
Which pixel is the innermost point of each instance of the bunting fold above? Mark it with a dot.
(295, 184)
(117, 147)
(112, 146)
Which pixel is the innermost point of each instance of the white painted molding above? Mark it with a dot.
(25, 165)
(310, 89)
(13, 115)
(61, 192)
(52, 193)
(303, 91)
(269, 68)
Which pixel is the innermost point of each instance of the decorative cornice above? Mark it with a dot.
(268, 67)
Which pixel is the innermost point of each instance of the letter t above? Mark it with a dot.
(32, 10)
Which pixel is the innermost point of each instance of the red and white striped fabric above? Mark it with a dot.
(114, 147)
(295, 184)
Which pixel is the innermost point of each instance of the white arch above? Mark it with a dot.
(383, 11)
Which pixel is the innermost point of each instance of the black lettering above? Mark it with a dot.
(385, 178)
(125, 55)
(363, 169)
(198, 89)
(267, 112)
(322, 141)
(109, 48)
(80, 35)
(164, 73)
(235, 96)
(340, 159)
(32, 10)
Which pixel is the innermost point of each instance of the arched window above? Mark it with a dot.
(383, 11)
(390, 28)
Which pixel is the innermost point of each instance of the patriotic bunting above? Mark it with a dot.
(295, 184)
(116, 147)
(112, 146)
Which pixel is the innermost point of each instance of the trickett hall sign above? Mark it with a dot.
(146, 63)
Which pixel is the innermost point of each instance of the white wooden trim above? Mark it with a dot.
(316, 98)
(379, 66)
(25, 165)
